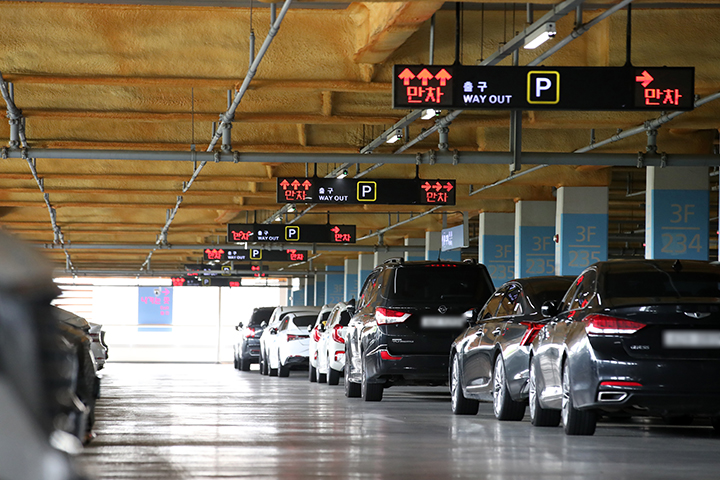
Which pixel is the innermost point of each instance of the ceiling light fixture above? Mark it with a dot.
(429, 113)
(291, 208)
(397, 135)
(342, 174)
(540, 36)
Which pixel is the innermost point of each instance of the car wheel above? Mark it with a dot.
(460, 405)
(539, 416)
(262, 364)
(370, 392)
(575, 422)
(352, 389)
(333, 376)
(235, 362)
(244, 364)
(321, 377)
(273, 372)
(284, 371)
(312, 374)
(504, 406)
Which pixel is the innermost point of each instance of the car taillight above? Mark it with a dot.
(339, 355)
(316, 334)
(336, 334)
(385, 355)
(292, 337)
(597, 324)
(620, 384)
(532, 330)
(249, 332)
(386, 316)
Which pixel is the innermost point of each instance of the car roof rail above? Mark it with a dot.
(471, 261)
(394, 260)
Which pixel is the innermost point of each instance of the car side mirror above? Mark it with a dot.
(273, 331)
(264, 324)
(471, 316)
(310, 328)
(350, 311)
(550, 308)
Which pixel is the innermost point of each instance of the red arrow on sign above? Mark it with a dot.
(424, 76)
(448, 186)
(425, 186)
(437, 186)
(295, 184)
(307, 184)
(284, 184)
(443, 76)
(406, 75)
(335, 229)
(645, 78)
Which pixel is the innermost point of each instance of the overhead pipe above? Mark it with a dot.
(265, 246)
(648, 125)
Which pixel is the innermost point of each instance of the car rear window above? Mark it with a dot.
(260, 316)
(431, 283)
(304, 321)
(662, 284)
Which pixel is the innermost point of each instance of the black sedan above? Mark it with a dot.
(490, 360)
(633, 337)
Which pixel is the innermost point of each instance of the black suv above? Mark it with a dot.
(247, 347)
(407, 317)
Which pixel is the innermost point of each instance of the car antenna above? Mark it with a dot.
(677, 266)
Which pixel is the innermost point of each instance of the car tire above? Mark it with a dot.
(312, 372)
(370, 392)
(262, 363)
(273, 372)
(539, 416)
(333, 376)
(352, 389)
(235, 361)
(321, 377)
(284, 371)
(574, 421)
(504, 407)
(459, 403)
(244, 364)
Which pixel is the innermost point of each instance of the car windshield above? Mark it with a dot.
(431, 283)
(662, 284)
(304, 320)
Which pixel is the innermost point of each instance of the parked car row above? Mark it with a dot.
(624, 338)
(37, 372)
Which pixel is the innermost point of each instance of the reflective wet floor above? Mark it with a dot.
(190, 421)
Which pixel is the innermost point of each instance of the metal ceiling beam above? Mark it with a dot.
(428, 158)
(265, 246)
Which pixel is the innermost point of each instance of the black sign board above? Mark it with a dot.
(543, 88)
(277, 233)
(356, 191)
(253, 254)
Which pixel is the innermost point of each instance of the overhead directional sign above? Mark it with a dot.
(275, 233)
(253, 254)
(538, 88)
(414, 191)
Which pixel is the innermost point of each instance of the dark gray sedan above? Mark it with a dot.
(490, 360)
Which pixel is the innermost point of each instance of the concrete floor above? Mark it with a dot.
(182, 421)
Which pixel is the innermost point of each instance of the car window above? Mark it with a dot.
(491, 307)
(369, 293)
(510, 302)
(586, 290)
(570, 294)
(662, 284)
(344, 318)
(439, 283)
(304, 320)
(284, 323)
(322, 318)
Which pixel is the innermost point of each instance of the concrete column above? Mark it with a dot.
(298, 296)
(581, 222)
(365, 266)
(534, 246)
(677, 213)
(350, 279)
(334, 285)
(433, 244)
(319, 289)
(414, 256)
(309, 291)
(496, 243)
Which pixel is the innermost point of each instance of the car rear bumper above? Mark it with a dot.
(382, 367)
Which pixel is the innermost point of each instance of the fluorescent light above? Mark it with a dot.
(428, 114)
(291, 208)
(397, 135)
(540, 36)
(342, 174)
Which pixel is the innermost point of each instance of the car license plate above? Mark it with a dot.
(448, 321)
(691, 339)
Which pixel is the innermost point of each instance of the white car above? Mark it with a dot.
(331, 347)
(267, 340)
(316, 331)
(99, 347)
(289, 348)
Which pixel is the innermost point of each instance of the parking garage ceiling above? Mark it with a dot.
(147, 76)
